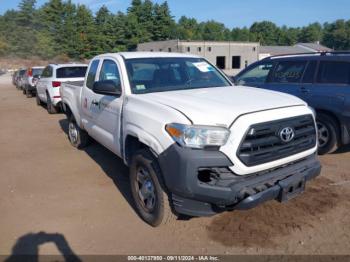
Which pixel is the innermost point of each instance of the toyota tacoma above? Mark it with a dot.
(195, 144)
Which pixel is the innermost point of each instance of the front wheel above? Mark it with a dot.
(151, 201)
(328, 134)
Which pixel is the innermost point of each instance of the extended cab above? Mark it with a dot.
(195, 144)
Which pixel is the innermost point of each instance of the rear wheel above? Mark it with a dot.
(151, 200)
(328, 134)
(29, 94)
(77, 137)
(51, 109)
(38, 101)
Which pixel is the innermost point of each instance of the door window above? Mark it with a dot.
(92, 74)
(257, 74)
(109, 71)
(310, 71)
(289, 72)
(331, 72)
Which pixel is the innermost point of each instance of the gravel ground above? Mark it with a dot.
(57, 199)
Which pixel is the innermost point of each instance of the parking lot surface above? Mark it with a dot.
(54, 197)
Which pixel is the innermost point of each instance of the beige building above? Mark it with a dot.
(231, 57)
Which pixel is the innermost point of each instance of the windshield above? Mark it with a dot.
(37, 71)
(71, 72)
(148, 75)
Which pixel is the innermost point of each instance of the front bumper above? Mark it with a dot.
(201, 184)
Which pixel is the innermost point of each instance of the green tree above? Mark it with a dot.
(266, 32)
(105, 37)
(68, 30)
(212, 31)
(337, 35)
(85, 28)
(311, 33)
(288, 36)
(164, 24)
(241, 34)
(26, 13)
(50, 18)
(188, 29)
(3, 47)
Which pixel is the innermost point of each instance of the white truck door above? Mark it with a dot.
(106, 115)
(87, 97)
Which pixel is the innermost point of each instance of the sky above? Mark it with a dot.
(234, 13)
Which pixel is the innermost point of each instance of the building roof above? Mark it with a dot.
(296, 49)
(314, 47)
(280, 50)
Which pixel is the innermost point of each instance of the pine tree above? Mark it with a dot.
(85, 32)
(164, 24)
(26, 13)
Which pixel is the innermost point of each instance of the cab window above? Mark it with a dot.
(257, 74)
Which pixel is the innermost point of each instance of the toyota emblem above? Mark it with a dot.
(287, 134)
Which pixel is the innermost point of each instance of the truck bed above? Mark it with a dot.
(70, 94)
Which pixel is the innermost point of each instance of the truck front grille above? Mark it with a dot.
(263, 142)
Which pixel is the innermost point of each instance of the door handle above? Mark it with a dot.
(304, 90)
(94, 102)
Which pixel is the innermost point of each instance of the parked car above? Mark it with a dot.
(195, 144)
(31, 79)
(322, 80)
(20, 79)
(48, 87)
(14, 77)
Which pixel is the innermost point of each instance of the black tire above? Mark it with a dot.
(38, 101)
(77, 137)
(161, 212)
(51, 109)
(29, 94)
(328, 133)
(24, 91)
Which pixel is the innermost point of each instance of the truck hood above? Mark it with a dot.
(222, 105)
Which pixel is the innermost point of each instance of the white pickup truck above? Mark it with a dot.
(195, 144)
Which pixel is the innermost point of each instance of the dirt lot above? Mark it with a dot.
(54, 197)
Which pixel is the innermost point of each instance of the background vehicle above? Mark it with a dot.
(14, 77)
(322, 80)
(31, 78)
(48, 87)
(20, 79)
(195, 145)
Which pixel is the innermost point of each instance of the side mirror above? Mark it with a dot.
(107, 87)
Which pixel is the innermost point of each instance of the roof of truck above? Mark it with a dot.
(69, 65)
(130, 55)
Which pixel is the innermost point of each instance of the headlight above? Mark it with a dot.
(198, 136)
